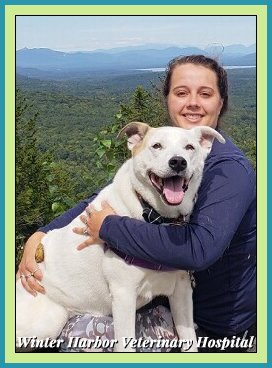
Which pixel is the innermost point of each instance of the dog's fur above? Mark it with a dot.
(100, 283)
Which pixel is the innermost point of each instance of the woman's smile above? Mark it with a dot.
(194, 118)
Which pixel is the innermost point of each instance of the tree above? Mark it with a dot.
(144, 106)
(42, 189)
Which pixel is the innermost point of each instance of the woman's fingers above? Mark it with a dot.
(91, 228)
(34, 285)
(86, 243)
(31, 285)
(26, 286)
(37, 273)
(84, 219)
(29, 271)
(81, 230)
(32, 268)
(30, 276)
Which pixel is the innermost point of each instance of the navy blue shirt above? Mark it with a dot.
(219, 242)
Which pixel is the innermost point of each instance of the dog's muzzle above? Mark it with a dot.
(177, 163)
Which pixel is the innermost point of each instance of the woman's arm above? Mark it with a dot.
(68, 216)
(226, 192)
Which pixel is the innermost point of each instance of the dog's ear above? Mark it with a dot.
(135, 132)
(206, 136)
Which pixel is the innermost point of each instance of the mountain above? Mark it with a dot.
(239, 60)
(142, 57)
(240, 49)
(147, 46)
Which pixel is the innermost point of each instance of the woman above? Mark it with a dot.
(219, 243)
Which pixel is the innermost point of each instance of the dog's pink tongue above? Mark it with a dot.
(172, 190)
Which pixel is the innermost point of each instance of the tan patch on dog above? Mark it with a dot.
(136, 128)
(141, 146)
(39, 255)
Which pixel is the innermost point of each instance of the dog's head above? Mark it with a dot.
(167, 158)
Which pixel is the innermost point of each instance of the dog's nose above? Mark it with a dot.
(177, 163)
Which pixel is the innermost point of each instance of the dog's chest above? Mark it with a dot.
(158, 283)
(145, 283)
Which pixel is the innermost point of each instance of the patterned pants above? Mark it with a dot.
(151, 324)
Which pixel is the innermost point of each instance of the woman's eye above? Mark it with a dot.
(157, 146)
(189, 147)
(181, 93)
(205, 94)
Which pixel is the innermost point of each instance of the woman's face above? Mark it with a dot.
(194, 98)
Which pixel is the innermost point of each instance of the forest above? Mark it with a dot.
(66, 129)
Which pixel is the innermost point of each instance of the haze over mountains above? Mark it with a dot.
(126, 58)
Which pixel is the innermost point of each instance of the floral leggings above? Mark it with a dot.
(150, 324)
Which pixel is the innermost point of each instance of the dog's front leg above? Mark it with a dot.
(124, 313)
(181, 305)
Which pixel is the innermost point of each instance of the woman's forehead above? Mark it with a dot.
(191, 73)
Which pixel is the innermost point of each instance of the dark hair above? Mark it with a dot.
(222, 80)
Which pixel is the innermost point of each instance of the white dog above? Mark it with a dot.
(165, 170)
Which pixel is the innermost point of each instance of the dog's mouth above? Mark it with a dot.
(171, 189)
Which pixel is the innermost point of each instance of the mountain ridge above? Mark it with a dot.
(125, 58)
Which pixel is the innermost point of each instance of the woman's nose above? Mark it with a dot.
(193, 101)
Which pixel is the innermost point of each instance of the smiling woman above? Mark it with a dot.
(196, 91)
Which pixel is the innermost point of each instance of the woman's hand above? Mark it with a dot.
(93, 221)
(29, 271)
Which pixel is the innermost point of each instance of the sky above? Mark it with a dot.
(88, 33)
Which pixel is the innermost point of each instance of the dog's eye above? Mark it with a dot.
(157, 146)
(189, 147)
